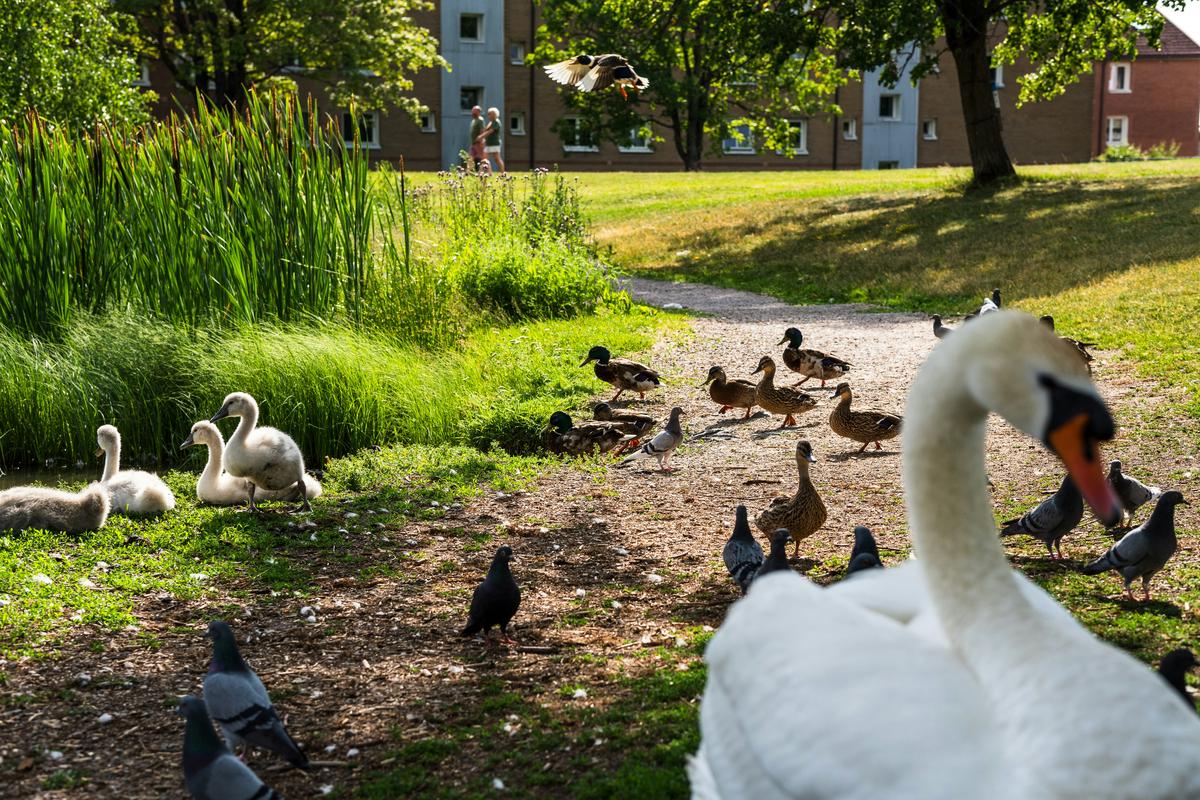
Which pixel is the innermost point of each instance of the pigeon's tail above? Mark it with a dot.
(276, 739)
(863, 561)
(743, 574)
(1011, 526)
(1101, 564)
(473, 626)
(291, 751)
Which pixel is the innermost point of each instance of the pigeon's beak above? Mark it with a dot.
(1184, 503)
(1081, 455)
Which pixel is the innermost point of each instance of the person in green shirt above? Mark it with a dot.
(475, 149)
(492, 137)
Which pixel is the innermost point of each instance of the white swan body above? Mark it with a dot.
(267, 458)
(34, 507)
(219, 488)
(131, 491)
(950, 676)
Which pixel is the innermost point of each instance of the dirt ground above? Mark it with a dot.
(381, 666)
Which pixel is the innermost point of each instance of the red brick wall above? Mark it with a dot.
(1163, 104)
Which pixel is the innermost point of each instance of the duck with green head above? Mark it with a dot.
(810, 363)
(563, 435)
(626, 375)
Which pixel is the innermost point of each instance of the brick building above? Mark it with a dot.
(1154, 99)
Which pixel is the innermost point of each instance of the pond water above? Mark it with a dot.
(48, 477)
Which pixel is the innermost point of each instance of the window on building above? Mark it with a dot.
(743, 77)
(367, 134)
(996, 75)
(516, 123)
(516, 53)
(637, 142)
(889, 165)
(1118, 131)
(428, 123)
(889, 106)
(143, 78)
(850, 129)
(1118, 78)
(798, 136)
(576, 137)
(929, 129)
(470, 27)
(469, 97)
(741, 142)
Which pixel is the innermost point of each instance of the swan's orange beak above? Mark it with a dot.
(1081, 456)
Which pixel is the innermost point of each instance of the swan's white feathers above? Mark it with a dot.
(217, 487)
(131, 491)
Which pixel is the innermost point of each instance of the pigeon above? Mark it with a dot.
(865, 554)
(777, 559)
(990, 304)
(495, 600)
(743, 555)
(939, 330)
(239, 703)
(592, 73)
(1174, 667)
(1130, 491)
(210, 771)
(1144, 550)
(662, 445)
(1081, 348)
(1052, 519)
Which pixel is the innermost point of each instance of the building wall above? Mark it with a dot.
(889, 139)
(1162, 104)
(475, 64)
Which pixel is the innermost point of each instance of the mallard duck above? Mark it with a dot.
(624, 374)
(861, 426)
(563, 436)
(132, 491)
(810, 363)
(802, 513)
(636, 425)
(266, 457)
(940, 330)
(592, 73)
(1081, 348)
(730, 394)
(779, 399)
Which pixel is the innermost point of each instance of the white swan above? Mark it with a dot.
(218, 487)
(266, 457)
(132, 491)
(34, 507)
(951, 676)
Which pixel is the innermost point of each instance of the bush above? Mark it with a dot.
(1123, 152)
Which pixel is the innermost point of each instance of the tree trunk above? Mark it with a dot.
(966, 35)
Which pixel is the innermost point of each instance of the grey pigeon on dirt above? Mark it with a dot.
(662, 445)
(1174, 668)
(239, 703)
(1132, 493)
(743, 555)
(1144, 550)
(1052, 519)
(496, 599)
(865, 554)
(210, 771)
(939, 330)
(777, 558)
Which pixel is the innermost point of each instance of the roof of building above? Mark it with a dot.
(1175, 43)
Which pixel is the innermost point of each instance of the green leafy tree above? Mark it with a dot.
(1061, 38)
(712, 64)
(70, 60)
(365, 51)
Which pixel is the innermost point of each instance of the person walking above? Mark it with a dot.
(475, 149)
(492, 137)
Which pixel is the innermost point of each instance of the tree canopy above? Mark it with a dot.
(710, 63)
(364, 50)
(70, 60)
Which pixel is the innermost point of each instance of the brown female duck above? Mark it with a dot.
(802, 513)
(861, 426)
(780, 399)
(627, 376)
(730, 394)
(810, 363)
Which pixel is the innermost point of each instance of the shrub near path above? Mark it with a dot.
(622, 579)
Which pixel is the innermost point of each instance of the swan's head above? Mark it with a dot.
(792, 336)
(1014, 365)
(561, 421)
(714, 374)
(804, 451)
(766, 365)
(597, 353)
(108, 438)
(238, 404)
(204, 433)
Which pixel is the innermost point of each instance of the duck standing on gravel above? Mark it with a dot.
(861, 426)
(626, 375)
(810, 363)
(780, 399)
(802, 513)
(730, 394)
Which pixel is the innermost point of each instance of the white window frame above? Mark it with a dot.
(633, 146)
(516, 60)
(373, 126)
(478, 99)
(478, 39)
(801, 125)
(896, 98)
(996, 73)
(428, 122)
(740, 147)
(578, 148)
(850, 129)
(1108, 131)
(516, 130)
(1120, 67)
(143, 78)
(929, 129)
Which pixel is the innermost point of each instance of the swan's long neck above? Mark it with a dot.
(216, 460)
(950, 516)
(246, 424)
(112, 460)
